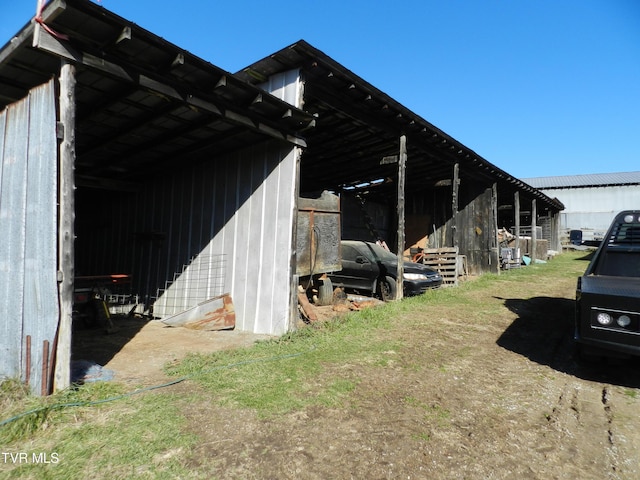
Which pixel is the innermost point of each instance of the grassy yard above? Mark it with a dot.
(102, 431)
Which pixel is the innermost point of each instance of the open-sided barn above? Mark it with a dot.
(121, 153)
(451, 194)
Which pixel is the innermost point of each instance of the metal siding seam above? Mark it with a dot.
(250, 219)
(271, 229)
(230, 243)
(286, 174)
(12, 231)
(260, 211)
(287, 207)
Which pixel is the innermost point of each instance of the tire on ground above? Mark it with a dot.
(325, 292)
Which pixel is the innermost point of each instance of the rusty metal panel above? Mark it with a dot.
(28, 253)
(214, 314)
(318, 235)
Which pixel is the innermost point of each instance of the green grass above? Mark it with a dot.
(144, 436)
(276, 376)
(132, 437)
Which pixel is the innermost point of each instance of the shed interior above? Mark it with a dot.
(148, 111)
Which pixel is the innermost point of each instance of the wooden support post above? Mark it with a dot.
(516, 213)
(534, 239)
(454, 204)
(66, 233)
(402, 161)
(494, 252)
(555, 232)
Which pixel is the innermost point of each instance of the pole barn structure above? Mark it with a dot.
(123, 154)
(127, 162)
(452, 196)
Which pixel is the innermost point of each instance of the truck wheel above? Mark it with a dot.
(325, 292)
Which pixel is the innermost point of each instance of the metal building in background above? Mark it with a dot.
(591, 201)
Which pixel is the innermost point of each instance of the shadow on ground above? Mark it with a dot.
(94, 344)
(543, 332)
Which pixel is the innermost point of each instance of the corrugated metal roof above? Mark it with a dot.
(590, 180)
(358, 125)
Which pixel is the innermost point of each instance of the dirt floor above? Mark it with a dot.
(138, 349)
(497, 397)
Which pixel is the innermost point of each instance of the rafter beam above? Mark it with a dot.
(46, 42)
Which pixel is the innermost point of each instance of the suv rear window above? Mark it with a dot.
(620, 256)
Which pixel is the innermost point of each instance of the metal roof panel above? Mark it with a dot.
(588, 180)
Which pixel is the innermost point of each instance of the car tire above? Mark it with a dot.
(325, 292)
(387, 288)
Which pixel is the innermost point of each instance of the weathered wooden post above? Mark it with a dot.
(534, 239)
(402, 160)
(66, 233)
(494, 250)
(454, 204)
(516, 213)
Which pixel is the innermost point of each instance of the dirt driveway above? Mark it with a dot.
(483, 389)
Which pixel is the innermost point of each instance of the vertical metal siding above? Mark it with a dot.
(12, 230)
(28, 253)
(594, 207)
(232, 214)
(286, 86)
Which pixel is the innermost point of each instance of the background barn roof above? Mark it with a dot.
(590, 180)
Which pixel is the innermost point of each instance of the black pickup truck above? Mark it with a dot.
(607, 315)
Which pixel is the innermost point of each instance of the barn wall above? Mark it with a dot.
(475, 225)
(365, 220)
(28, 228)
(477, 233)
(233, 214)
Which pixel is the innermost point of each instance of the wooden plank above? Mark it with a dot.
(306, 307)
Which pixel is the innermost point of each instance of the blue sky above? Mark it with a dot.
(536, 87)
